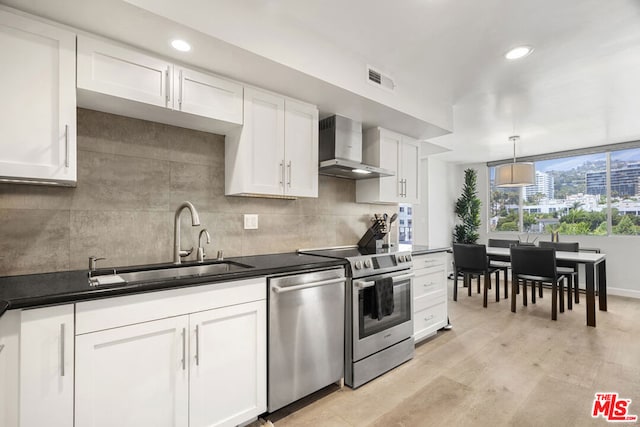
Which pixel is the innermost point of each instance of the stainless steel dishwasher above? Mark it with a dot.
(306, 334)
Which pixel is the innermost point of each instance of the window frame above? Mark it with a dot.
(608, 150)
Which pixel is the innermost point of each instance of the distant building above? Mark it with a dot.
(624, 181)
(544, 185)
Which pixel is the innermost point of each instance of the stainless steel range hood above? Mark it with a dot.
(340, 143)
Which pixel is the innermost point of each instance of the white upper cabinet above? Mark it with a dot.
(410, 170)
(276, 151)
(118, 71)
(120, 79)
(206, 95)
(396, 152)
(38, 121)
(47, 366)
(301, 149)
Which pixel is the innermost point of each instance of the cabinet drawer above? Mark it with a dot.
(127, 310)
(429, 261)
(420, 303)
(429, 319)
(426, 283)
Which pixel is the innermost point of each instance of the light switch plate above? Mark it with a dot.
(250, 221)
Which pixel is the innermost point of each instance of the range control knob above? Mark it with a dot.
(358, 265)
(400, 258)
(408, 257)
(367, 263)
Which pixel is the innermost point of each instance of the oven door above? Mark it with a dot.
(371, 335)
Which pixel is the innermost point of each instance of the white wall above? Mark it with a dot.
(621, 251)
(434, 217)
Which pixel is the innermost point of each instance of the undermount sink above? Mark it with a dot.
(170, 273)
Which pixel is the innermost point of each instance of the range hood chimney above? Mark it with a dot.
(340, 142)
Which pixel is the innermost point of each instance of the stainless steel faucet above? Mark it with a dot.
(195, 221)
(201, 253)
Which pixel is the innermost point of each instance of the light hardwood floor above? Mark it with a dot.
(496, 368)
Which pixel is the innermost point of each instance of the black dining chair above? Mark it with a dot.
(502, 263)
(471, 260)
(537, 265)
(567, 268)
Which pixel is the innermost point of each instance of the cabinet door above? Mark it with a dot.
(9, 371)
(301, 149)
(390, 143)
(114, 70)
(46, 366)
(263, 143)
(133, 376)
(208, 96)
(228, 365)
(410, 170)
(37, 79)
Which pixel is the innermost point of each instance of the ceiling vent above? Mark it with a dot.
(376, 78)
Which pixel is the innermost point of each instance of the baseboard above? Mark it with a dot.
(622, 292)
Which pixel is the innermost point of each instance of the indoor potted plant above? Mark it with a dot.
(467, 209)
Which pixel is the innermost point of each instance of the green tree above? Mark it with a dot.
(625, 226)
(467, 209)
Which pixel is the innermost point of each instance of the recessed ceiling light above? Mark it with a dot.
(181, 45)
(518, 52)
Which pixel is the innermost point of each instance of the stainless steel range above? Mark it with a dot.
(374, 344)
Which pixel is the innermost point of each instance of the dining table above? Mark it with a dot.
(595, 271)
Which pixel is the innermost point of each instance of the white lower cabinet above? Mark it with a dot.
(429, 294)
(46, 366)
(179, 364)
(228, 354)
(9, 374)
(133, 376)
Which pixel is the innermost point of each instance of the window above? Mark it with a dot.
(625, 192)
(504, 205)
(591, 194)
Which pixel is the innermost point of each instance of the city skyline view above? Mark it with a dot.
(570, 196)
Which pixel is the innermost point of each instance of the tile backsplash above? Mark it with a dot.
(132, 174)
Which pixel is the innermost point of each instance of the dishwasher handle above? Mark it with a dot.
(361, 284)
(279, 290)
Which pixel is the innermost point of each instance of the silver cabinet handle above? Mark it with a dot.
(62, 349)
(1, 347)
(197, 346)
(361, 284)
(282, 173)
(66, 146)
(180, 90)
(184, 349)
(289, 167)
(278, 289)
(167, 85)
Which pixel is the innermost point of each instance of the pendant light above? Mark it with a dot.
(515, 174)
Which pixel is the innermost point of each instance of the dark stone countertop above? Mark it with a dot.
(33, 290)
(423, 250)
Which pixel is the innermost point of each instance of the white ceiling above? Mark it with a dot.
(579, 88)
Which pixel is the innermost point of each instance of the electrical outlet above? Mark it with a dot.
(250, 221)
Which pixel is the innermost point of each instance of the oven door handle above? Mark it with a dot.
(278, 289)
(360, 284)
